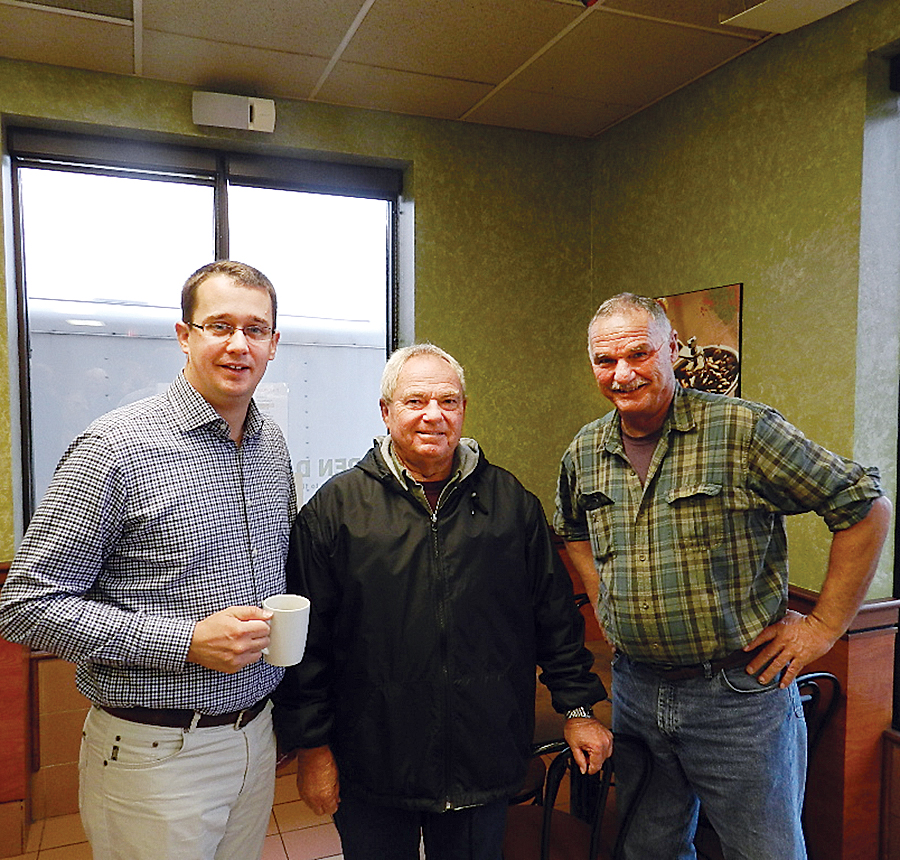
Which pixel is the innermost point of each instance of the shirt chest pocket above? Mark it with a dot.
(599, 509)
(698, 513)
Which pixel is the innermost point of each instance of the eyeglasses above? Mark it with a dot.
(225, 331)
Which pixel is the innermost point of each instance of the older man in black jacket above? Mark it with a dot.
(436, 592)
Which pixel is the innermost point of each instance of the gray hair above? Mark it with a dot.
(391, 372)
(628, 302)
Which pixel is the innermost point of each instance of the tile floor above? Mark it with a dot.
(294, 832)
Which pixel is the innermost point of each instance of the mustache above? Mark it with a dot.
(632, 386)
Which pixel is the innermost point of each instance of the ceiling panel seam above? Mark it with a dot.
(533, 58)
(642, 108)
(351, 32)
(71, 13)
(684, 25)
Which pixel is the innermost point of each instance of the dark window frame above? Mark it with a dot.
(178, 162)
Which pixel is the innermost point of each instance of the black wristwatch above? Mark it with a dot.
(585, 713)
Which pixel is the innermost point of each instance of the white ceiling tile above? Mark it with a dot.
(66, 40)
(473, 40)
(229, 68)
(703, 13)
(313, 27)
(620, 60)
(555, 114)
(782, 16)
(400, 92)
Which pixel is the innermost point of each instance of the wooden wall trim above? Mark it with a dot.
(845, 778)
(14, 741)
(890, 797)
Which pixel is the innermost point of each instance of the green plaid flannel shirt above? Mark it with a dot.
(694, 564)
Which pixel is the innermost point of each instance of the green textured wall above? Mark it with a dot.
(753, 175)
(502, 241)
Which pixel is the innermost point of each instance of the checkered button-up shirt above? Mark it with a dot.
(693, 564)
(154, 520)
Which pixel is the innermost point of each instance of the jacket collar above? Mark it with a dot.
(465, 459)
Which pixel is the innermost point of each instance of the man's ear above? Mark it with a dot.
(183, 332)
(673, 346)
(273, 344)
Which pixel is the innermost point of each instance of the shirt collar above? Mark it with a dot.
(681, 415)
(680, 418)
(192, 410)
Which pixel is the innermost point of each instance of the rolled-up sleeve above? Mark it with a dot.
(797, 475)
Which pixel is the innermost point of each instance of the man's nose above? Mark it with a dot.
(238, 341)
(432, 410)
(623, 372)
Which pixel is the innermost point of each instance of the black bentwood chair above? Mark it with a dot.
(820, 695)
(595, 829)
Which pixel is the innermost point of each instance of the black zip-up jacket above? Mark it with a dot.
(425, 633)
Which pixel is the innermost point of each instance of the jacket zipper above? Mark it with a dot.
(442, 623)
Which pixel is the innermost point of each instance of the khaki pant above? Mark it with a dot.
(154, 793)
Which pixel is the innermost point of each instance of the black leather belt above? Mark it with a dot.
(699, 670)
(182, 718)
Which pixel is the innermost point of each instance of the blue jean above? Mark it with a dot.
(726, 741)
(370, 832)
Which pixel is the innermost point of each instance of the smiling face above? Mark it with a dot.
(425, 416)
(226, 371)
(632, 358)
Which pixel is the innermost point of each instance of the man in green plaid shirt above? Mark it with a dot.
(672, 507)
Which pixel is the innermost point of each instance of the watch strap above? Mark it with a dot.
(584, 713)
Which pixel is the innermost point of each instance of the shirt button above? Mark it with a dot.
(642, 557)
(647, 606)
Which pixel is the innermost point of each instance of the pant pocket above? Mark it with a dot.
(738, 681)
(124, 744)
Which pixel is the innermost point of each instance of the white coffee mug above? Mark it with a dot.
(287, 628)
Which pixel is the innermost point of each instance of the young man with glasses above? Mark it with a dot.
(165, 527)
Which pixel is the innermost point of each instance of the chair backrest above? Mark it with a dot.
(820, 695)
(560, 832)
